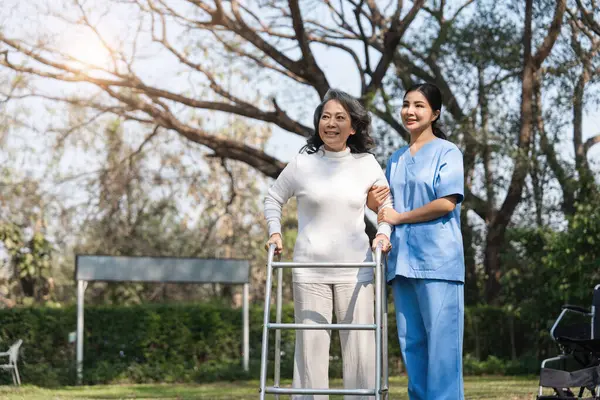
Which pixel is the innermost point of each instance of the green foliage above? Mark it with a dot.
(552, 268)
(496, 366)
(33, 263)
(46, 358)
(486, 25)
(150, 343)
(11, 237)
(202, 343)
(30, 261)
(572, 258)
(182, 208)
(546, 269)
(489, 331)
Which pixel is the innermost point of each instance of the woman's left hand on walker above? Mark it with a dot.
(385, 243)
(390, 216)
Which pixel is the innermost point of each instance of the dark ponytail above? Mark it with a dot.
(434, 97)
(437, 131)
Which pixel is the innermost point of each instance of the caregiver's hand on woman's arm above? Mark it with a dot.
(276, 240)
(434, 210)
(376, 197)
(390, 216)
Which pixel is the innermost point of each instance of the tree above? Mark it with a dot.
(228, 50)
(24, 242)
(127, 95)
(575, 72)
(178, 208)
(532, 63)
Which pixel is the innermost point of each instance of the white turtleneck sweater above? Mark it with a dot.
(331, 189)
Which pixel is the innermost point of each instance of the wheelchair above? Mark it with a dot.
(579, 345)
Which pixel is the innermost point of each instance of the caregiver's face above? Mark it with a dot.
(335, 126)
(417, 115)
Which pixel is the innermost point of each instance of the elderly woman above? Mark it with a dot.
(330, 179)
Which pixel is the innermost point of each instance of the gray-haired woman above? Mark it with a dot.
(330, 179)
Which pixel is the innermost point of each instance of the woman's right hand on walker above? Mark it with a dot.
(376, 197)
(276, 240)
(382, 240)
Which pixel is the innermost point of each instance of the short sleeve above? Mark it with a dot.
(450, 178)
(387, 169)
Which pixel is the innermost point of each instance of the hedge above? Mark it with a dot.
(202, 343)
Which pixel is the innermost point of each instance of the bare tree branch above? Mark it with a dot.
(553, 32)
(390, 44)
(591, 142)
(532, 63)
(312, 69)
(365, 40)
(71, 75)
(588, 18)
(232, 191)
(147, 140)
(222, 148)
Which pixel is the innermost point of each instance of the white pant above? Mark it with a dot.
(353, 303)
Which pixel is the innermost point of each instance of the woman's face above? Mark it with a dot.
(417, 115)
(335, 126)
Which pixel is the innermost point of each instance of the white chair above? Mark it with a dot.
(13, 356)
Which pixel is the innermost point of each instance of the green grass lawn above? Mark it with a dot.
(480, 388)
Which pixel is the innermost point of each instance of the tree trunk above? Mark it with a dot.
(471, 279)
(492, 264)
(587, 182)
(531, 64)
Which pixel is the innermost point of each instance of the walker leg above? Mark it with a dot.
(378, 315)
(278, 331)
(265, 335)
(384, 336)
(380, 327)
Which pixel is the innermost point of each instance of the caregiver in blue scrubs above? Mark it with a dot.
(426, 264)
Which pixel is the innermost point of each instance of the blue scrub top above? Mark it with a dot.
(432, 249)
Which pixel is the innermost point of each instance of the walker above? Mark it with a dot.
(380, 391)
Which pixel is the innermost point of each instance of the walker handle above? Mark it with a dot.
(271, 255)
(272, 248)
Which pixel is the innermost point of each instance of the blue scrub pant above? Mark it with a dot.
(430, 319)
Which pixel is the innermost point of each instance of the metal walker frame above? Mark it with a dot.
(380, 392)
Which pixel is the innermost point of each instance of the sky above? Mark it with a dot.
(283, 145)
(337, 66)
